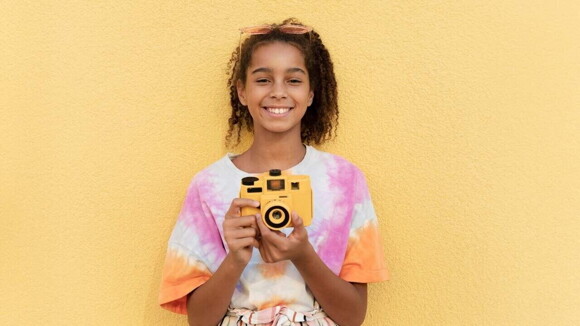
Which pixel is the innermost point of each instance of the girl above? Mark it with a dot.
(226, 269)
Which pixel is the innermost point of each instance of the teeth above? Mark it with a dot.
(278, 110)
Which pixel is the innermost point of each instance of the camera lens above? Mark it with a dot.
(277, 217)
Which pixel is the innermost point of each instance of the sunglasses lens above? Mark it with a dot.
(256, 30)
(294, 29)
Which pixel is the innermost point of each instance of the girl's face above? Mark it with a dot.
(277, 89)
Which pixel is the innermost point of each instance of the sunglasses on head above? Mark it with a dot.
(267, 29)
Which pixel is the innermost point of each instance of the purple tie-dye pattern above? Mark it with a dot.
(342, 177)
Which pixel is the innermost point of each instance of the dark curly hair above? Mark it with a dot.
(321, 119)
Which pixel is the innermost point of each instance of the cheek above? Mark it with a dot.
(255, 94)
(304, 96)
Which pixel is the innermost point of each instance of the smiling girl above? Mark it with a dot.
(223, 268)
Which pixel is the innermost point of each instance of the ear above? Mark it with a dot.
(241, 92)
(310, 98)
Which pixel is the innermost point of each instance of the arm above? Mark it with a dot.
(208, 304)
(344, 302)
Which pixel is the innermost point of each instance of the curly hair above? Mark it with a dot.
(321, 119)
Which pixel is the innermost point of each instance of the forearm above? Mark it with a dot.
(341, 300)
(208, 304)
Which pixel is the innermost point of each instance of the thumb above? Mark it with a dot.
(297, 222)
(263, 228)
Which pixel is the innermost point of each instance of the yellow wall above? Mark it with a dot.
(464, 115)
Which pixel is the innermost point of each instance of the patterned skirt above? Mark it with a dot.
(276, 316)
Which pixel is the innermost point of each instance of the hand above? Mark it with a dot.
(275, 246)
(240, 231)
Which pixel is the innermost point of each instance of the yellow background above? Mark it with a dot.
(464, 116)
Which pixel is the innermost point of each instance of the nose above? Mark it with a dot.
(278, 90)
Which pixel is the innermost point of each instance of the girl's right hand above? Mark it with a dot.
(240, 231)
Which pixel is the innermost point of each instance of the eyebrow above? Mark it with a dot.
(268, 70)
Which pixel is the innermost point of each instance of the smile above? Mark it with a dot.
(278, 111)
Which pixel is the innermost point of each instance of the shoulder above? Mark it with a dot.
(213, 174)
(336, 165)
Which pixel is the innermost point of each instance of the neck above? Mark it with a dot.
(275, 152)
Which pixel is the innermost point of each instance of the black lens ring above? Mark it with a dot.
(284, 222)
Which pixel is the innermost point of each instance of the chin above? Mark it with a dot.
(281, 129)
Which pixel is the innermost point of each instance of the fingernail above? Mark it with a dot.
(256, 203)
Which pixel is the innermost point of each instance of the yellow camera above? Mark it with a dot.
(278, 195)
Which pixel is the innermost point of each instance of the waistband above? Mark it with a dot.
(276, 316)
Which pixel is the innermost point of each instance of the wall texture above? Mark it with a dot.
(464, 115)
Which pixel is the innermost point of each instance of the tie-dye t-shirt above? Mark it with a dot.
(344, 233)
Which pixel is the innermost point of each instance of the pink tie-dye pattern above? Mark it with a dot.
(201, 219)
(361, 192)
(342, 178)
(339, 186)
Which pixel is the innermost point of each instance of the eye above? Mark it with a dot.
(295, 81)
(262, 80)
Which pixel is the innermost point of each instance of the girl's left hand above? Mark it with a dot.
(275, 246)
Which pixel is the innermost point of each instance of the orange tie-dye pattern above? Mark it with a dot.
(275, 301)
(273, 270)
(348, 248)
(363, 260)
(180, 276)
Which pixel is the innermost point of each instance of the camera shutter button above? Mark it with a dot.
(275, 172)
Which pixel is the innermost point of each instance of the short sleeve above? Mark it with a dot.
(364, 260)
(193, 252)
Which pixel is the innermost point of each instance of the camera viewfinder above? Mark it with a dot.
(276, 184)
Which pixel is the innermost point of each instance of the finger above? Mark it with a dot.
(240, 222)
(256, 226)
(238, 203)
(274, 238)
(261, 226)
(264, 230)
(253, 223)
(242, 243)
(242, 233)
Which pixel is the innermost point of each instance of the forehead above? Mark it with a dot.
(277, 55)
